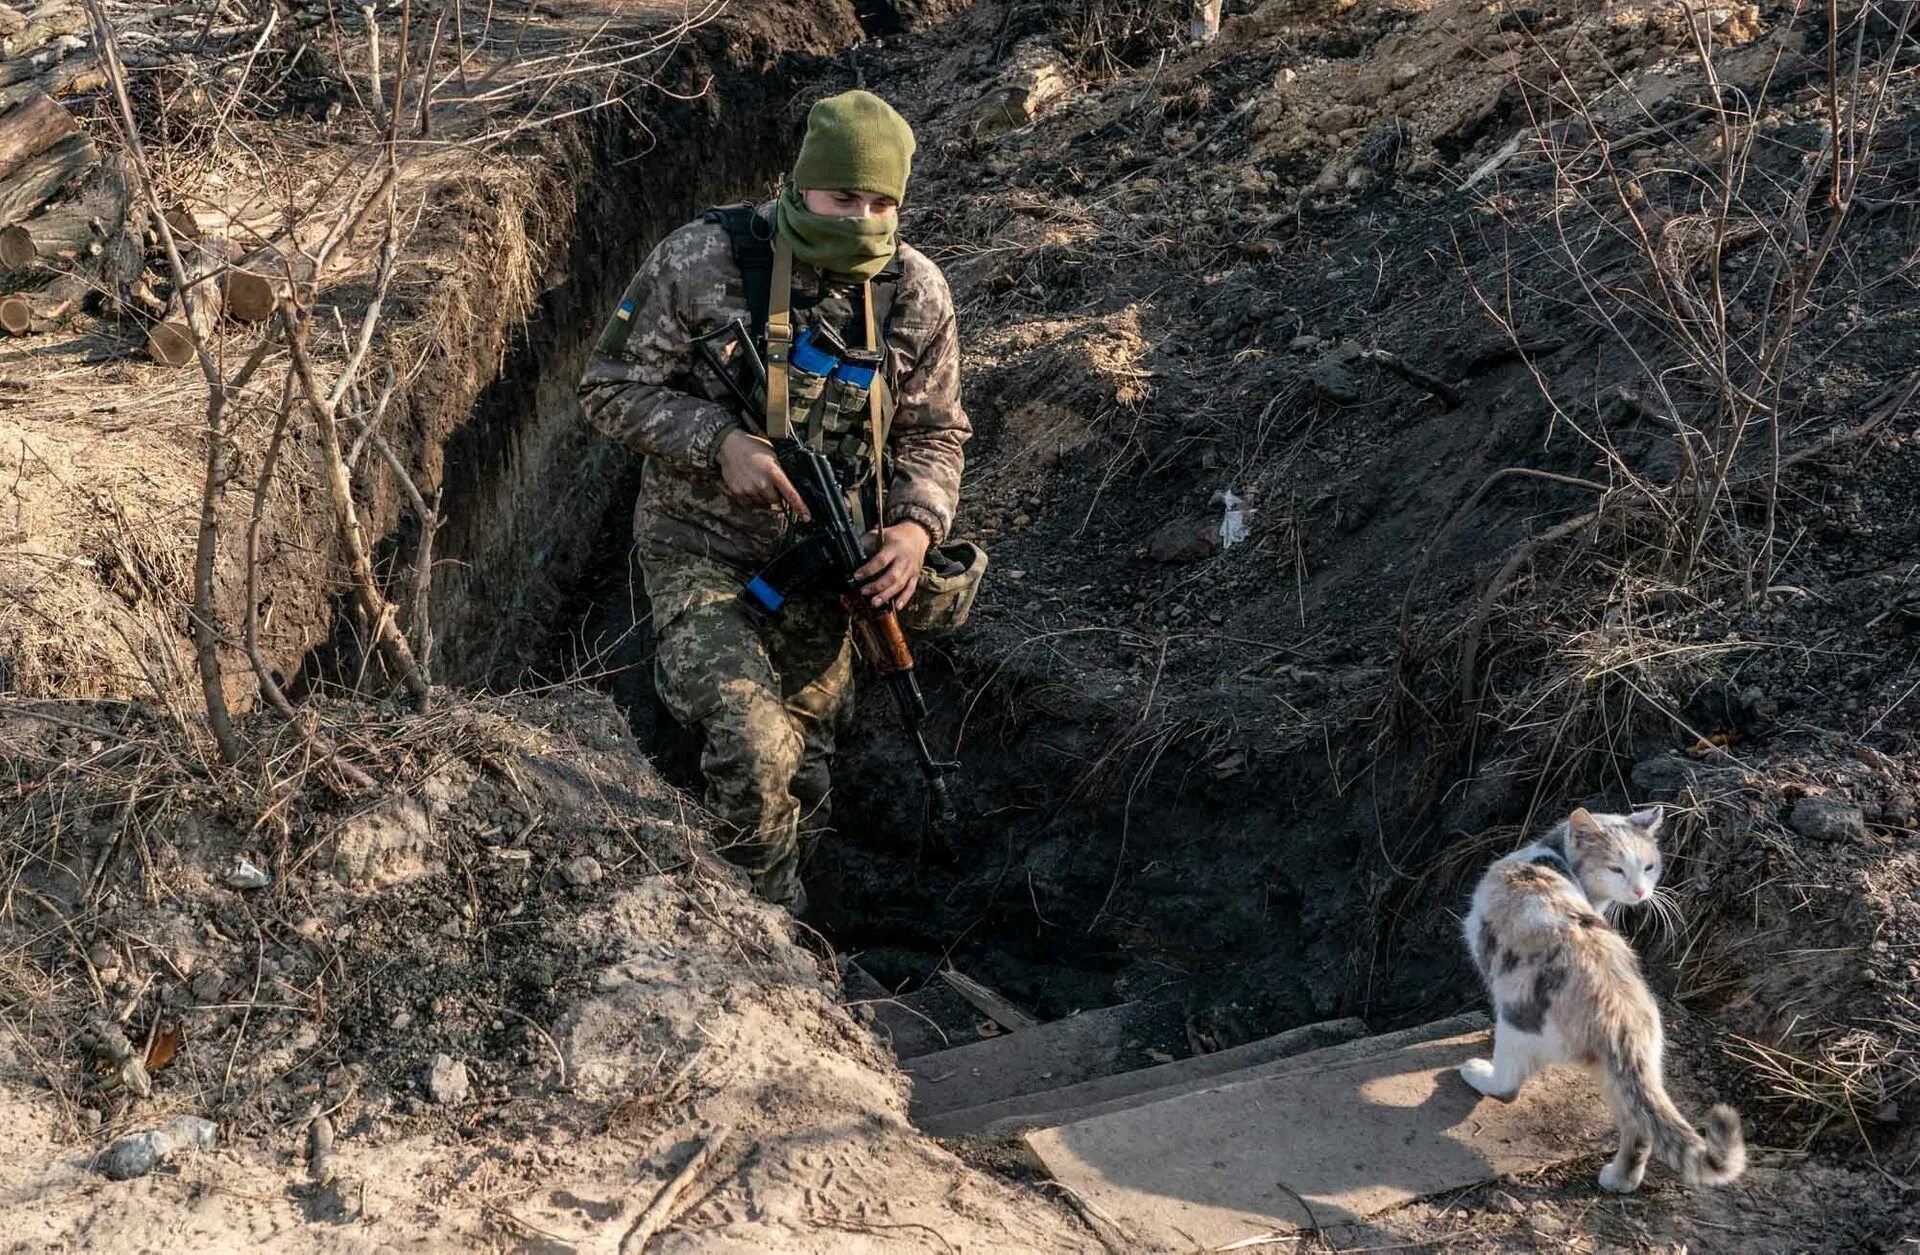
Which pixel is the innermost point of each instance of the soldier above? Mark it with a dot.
(767, 696)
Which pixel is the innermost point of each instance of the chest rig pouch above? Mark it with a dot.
(819, 389)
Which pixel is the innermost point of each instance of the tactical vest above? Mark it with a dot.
(828, 412)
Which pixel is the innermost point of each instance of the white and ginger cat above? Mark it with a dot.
(1567, 989)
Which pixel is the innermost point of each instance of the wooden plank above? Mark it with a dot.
(1068, 1101)
(1059, 1052)
(1322, 1147)
(989, 1003)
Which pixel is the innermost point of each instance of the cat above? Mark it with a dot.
(1567, 989)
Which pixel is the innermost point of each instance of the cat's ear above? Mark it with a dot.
(1581, 825)
(1648, 821)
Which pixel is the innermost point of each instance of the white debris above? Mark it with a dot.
(246, 876)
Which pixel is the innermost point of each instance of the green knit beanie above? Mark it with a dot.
(855, 143)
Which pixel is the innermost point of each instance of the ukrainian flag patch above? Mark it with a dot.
(625, 312)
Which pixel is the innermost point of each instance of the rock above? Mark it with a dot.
(1662, 778)
(1899, 811)
(141, 1153)
(447, 1080)
(385, 846)
(208, 986)
(1828, 819)
(581, 871)
(245, 875)
(1331, 381)
(1037, 79)
(1184, 540)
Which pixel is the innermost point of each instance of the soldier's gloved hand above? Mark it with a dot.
(891, 575)
(752, 474)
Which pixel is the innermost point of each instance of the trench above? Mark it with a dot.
(1231, 908)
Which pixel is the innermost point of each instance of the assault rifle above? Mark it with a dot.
(824, 555)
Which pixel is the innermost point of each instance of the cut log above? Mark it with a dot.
(25, 313)
(46, 23)
(185, 225)
(71, 231)
(20, 69)
(170, 341)
(255, 284)
(249, 297)
(30, 186)
(30, 128)
(77, 73)
(16, 247)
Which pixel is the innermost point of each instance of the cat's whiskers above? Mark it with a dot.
(1667, 909)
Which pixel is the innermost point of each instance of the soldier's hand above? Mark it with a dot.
(893, 572)
(752, 474)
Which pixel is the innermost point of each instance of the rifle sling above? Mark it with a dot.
(780, 345)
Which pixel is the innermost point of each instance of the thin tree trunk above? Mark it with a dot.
(379, 612)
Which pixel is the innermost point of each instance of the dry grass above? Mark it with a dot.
(1848, 1081)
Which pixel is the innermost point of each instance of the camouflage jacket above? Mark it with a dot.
(658, 398)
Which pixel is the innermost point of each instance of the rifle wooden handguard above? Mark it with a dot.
(881, 639)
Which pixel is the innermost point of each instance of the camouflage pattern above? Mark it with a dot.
(657, 397)
(767, 699)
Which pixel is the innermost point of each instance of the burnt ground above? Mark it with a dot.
(1254, 784)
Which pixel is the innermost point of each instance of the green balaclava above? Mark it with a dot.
(855, 142)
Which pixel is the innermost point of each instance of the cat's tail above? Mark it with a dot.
(1643, 1109)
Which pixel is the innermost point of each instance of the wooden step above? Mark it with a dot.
(1338, 1053)
(932, 1018)
(1092, 1097)
(1046, 1056)
(1317, 1147)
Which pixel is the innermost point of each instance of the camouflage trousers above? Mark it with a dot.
(766, 697)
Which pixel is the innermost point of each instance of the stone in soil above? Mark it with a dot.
(141, 1153)
(1828, 819)
(447, 1080)
(582, 871)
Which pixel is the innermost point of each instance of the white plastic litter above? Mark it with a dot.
(246, 876)
(1233, 520)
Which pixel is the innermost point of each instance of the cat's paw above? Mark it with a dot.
(1479, 1073)
(1616, 1182)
